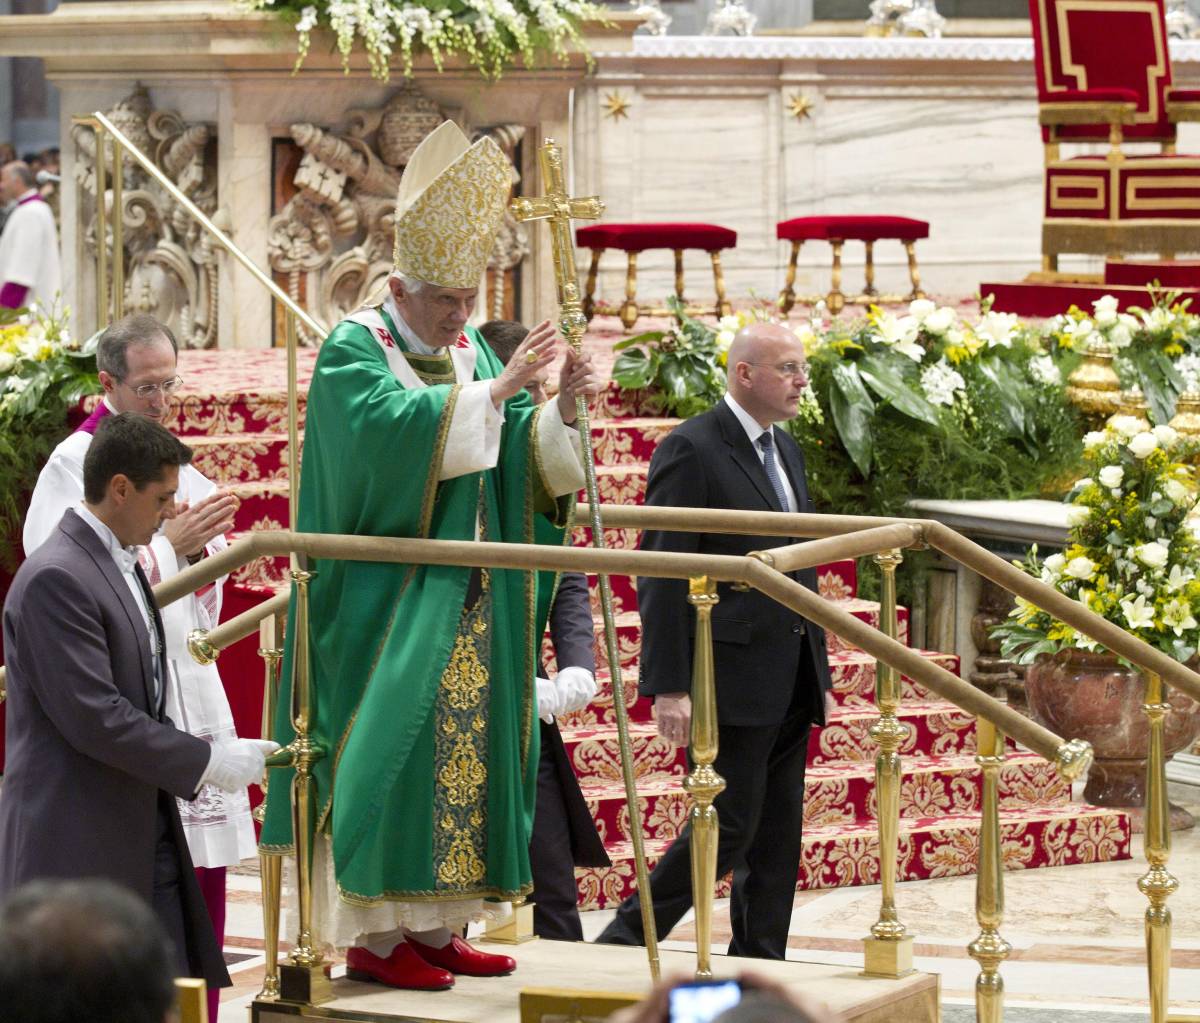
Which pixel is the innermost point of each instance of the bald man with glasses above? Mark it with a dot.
(137, 362)
(771, 666)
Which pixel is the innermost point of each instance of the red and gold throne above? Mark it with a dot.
(1104, 76)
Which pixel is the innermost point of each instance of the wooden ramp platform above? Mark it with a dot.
(577, 967)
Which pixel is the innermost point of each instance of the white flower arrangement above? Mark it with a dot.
(489, 34)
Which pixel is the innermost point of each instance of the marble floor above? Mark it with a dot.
(1076, 933)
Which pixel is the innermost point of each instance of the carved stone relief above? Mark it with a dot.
(170, 262)
(332, 241)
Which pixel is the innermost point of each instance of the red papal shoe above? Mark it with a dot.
(459, 957)
(404, 968)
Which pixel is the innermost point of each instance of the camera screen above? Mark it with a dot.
(699, 1003)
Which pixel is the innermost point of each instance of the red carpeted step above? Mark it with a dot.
(947, 846)
(931, 787)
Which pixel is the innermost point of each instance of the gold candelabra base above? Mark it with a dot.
(888, 957)
(305, 985)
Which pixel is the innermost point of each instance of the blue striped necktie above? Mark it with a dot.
(766, 441)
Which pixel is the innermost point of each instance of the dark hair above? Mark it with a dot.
(136, 329)
(129, 445)
(22, 170)
(83, 950)
(503, 337)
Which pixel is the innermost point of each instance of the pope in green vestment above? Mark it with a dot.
(423, 675)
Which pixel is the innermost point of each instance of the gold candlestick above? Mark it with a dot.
(559, 210)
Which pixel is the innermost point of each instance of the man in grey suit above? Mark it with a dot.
(92, 762)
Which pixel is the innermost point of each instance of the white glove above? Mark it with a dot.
(576, 689)
(235, 763)
(547, 699)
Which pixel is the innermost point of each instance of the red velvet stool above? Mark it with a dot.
(837, 231)
(635, 238)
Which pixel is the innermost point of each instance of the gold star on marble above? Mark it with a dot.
(616, 106)
(800, 106)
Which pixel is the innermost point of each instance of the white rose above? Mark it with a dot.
(7, 361)
(1176, 491)
(1143, 444)
(1055, 563)
(1167, 436)
(1112, 475)
(1078, 514)
(724, 339)
(920, 308)
(729, 323)
(940, 321)
(1105, 309)
(1153, 555)
(1094, 439)
(1127, 426)
(1080, 568)
(1120, 336)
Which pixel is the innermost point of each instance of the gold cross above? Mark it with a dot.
(559, 209)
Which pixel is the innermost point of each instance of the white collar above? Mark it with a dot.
(125, 557)
(414, 343)
(108, 405)
(753, 428)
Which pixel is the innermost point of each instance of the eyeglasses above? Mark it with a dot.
(785, 369)
(166, 388)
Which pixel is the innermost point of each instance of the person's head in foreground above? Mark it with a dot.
(761, 1000)
(136, 357)
(83, 952)
(766, 372)
(131, 474)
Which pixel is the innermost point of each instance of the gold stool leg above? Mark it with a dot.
(589, 299)
(787, 297)
(1157, 884)
(989, 950)
(723, 306)
(1050, 262)
(835, 300)
(887, 951)
(629, 310)
(910, 249)
(869, 270)
(679, 278)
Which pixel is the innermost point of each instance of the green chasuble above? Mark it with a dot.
(425, 705)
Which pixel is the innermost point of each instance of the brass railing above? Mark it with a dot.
(887, 951)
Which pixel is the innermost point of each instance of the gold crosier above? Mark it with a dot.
(559, 209)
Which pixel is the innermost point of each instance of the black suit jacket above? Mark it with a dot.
(761, 658)
(573, 636)
(89, 751)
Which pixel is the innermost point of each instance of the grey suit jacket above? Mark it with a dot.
(88, 750)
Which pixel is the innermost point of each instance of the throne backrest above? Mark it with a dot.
(1104, 44)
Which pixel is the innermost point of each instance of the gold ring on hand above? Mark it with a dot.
(531, 357)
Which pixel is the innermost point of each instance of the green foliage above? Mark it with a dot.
(43, 375)
(682, 368)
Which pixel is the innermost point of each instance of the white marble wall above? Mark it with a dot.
(943, 130)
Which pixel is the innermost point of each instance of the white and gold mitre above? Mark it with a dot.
(452, 198)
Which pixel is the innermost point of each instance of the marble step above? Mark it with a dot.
(947, 846)
(935, 728)
(842, 795)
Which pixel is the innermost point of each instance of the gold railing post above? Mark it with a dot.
(102, 319)
(989, 950)
(1157, 884)
(303, 979)
(887, 952)
(118, 228)
(703, 784)
(270, 864)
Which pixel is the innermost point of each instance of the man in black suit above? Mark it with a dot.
(93, 765)
(772, 671)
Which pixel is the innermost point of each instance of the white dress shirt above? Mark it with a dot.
(754, 431)
(126, 558)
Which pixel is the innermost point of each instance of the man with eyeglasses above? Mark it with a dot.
(137, 362)
(771, 665)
